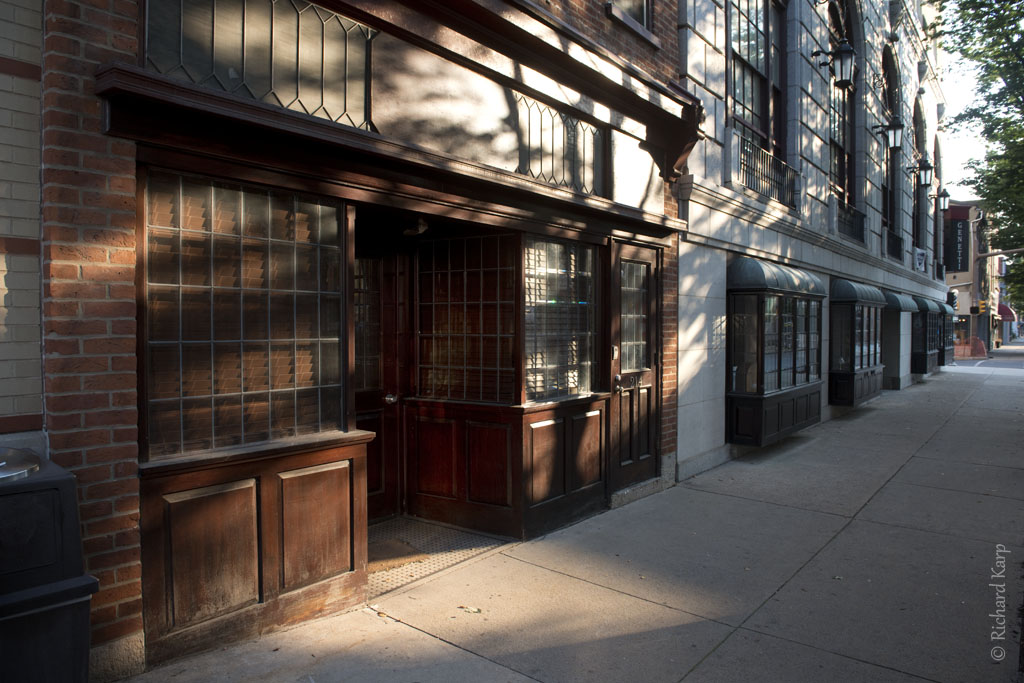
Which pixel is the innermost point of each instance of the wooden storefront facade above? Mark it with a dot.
(360, 298)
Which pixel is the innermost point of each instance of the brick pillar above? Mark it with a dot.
(88, 305)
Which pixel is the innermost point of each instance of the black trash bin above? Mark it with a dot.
(44, 593)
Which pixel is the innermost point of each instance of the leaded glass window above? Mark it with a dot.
(560, 319)
(244, 315)
(286, 53)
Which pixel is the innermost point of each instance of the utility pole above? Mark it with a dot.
(976, 289)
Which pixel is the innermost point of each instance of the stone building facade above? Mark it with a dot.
(484, 262)
(795, 170)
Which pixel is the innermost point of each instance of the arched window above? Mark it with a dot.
(937, 238)
(891, 105)
(841, 128)
(919, 153)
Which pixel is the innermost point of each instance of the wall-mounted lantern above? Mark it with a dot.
(893, 132)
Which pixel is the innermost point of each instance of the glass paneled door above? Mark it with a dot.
(380, 312)
(635, 365)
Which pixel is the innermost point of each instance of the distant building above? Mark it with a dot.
(974, 282)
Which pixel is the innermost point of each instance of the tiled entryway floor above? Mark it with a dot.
(445, 546)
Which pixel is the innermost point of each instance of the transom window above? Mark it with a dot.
(287, 53)
(243, 315)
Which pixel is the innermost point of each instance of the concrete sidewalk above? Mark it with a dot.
(885, 545)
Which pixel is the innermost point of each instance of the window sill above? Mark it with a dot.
(250, 452)
(615, 13)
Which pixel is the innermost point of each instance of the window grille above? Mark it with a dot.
(560, 319)
(466, 315)
(243, 315)
(288, 53)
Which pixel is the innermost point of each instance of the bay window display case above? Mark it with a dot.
(926, 336)
(774, 351)
(946, 345)
(855, 367)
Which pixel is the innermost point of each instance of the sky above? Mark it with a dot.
(958, 146)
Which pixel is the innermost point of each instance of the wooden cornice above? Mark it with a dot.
(166, 113)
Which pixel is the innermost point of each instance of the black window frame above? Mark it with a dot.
(783, 301)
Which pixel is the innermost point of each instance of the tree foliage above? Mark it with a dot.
(991, 35)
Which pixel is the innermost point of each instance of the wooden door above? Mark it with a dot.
(381, 337)
(635, 366)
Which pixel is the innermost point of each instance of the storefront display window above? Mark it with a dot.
(560, 312)
(243, 315)
(790, 342)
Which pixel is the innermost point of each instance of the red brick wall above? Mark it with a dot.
(88, 271)
(590, 18)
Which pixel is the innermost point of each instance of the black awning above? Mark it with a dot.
(844, 291)
(947, 309)
(754, 275)
(900, 302)
(927, 305)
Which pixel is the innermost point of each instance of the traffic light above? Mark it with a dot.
(982, 307)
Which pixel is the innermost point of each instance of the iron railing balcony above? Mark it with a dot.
(894, 245)
(766, 174)
(850, 221)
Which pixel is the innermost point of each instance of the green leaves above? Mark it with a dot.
(991, 35)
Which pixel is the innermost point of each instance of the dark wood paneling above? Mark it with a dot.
(489, 463)
(214, 557)
(375, 464)
(316, 516)
(853, 388)
(435, 466)
(762, 420)
(545, 460)
(586, 445)
(226, 542)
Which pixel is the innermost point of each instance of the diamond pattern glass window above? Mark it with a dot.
(559, 149)
(243, 313)
(467, 318)
(288, 53)
(560, 311)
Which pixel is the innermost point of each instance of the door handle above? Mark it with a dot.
(390, 399)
